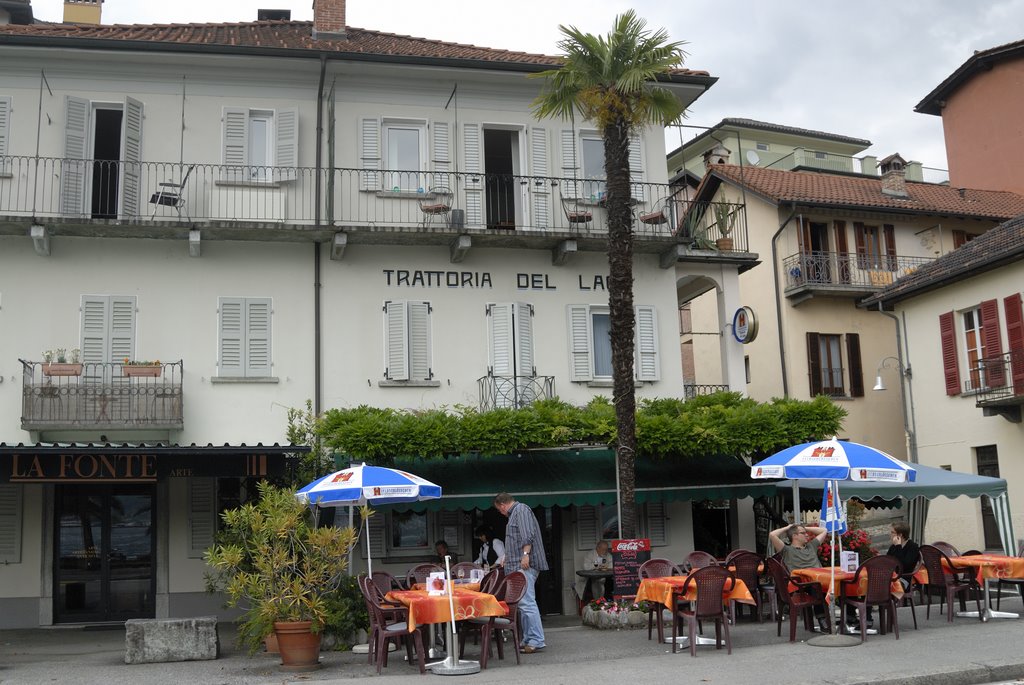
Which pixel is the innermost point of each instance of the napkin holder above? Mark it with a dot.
(436, 584)
(849, 561)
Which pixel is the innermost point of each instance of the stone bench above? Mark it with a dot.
(150, 641)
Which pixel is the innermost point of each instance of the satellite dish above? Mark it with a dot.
(753, 157)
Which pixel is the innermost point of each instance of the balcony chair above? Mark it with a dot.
(437, 202)
(800, 598)
(881, 571)
(661, 212)
(948, 585)
(711, 584)
(657, 568)
(172, 195)
(576, 213)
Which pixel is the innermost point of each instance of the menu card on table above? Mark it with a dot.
(849, 561)
(436, 584)
(627, 555)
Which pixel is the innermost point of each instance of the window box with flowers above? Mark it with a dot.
(60, 362)
(606, 614)
(150, 369)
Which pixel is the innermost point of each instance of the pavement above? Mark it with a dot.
(962, 653)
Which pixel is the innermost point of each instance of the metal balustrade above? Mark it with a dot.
(691, 390)
(513, 392)
(101, 396)
(847, 271)
(998, 380)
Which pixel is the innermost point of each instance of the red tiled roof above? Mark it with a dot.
(857, 191)
(284, 35)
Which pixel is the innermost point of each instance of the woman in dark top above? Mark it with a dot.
(904, 549)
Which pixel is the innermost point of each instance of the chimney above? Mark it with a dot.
(894, 182)
(82, 11)
(719, 154)
(328, 19)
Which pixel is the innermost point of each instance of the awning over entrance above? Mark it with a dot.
(577, 476)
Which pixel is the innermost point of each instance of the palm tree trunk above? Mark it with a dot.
(620, 310)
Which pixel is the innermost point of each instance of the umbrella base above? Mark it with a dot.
(452, 666)
(834, 641)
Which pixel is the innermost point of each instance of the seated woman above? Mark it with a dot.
(441, 547)
(492, 553)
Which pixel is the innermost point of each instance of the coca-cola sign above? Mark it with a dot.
(643, 545)
(627, 555)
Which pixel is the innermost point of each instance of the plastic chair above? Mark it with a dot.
(464, 567)
(801, 598)
(698, 559)
(881, 572)
(386, 582)
(657, 568)
(744, 564)
(172, 195)
(910, 584)
(419, 573)
(948, 585)
(383, 631)
(511, 591)
(490, 581)
(436, 202)
(1015, 582)
(947, 549)
(710, 582)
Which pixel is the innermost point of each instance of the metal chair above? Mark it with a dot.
(710, 582)
(948, 585)
(576, 213)
(436, 202)
(172, 195)
(881, 572)
(662, 212)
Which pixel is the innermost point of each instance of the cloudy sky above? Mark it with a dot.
(853, 68)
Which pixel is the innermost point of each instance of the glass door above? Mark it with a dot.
(103, 562)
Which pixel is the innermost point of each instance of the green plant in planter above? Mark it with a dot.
(725, 217)
(276, 564)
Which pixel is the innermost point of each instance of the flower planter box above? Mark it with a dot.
(150, 371)
(61, 369)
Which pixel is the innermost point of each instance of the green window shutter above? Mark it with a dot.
(586, 527)
(94, 329)
(258, 314)
(656, 523)
(647, 367)
(540, 187)
(122, 328)
(74, 167)
(286, 143)
(131, 154)
(499, 330)
(231, 336)
(5, 127)
(580, 352)
(396, 340)
(202, 515)
(10, 524)
(419, 341)
(235, 143)
(369, 154)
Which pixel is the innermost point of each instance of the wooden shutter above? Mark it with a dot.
(499, 334)
(992, 345)
(656, 523)
(637, 173)
(286, 144)
(586, 527)
(814, 364)
(231, 336)
(108, 328)
(396, 340)
(540, 186)
(570, 165)
(74, 165)
(522, 318)
(258, 313)
(842, 251)
(889, 235)
(959, 238)
(860, 244)
(235, 143)
(202, 515)
(442, 160)
(5, 128)
(94, 329)
(580, 353)
(1015, 340)
(419, 341)
(647, 366)
(131, 156)
(853, 362)
(950, 361)
(472, 152)
(378, 535)
(803, 236)
(10, 523)
(369, 153)
(122, 328)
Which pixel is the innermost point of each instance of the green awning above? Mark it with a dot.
(577, 476)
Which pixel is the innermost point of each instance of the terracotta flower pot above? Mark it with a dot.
(151, 370)
(724, 244)
(299, 645)
(61, 369)
(270, 642)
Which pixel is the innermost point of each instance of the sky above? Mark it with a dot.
(850, 68)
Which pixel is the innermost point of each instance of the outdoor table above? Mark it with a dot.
(991, 567)
(591, 574)
(668, 590)
(467, 585)
(823, 576)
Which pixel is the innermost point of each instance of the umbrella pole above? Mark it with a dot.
(369, 560)
(796, 501)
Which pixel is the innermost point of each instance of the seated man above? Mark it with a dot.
(599, 558)
(441, 547)
(800, 550)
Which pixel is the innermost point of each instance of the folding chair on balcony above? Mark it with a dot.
(172, 195)
(436, 202)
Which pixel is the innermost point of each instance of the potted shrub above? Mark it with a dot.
(58, 362)
(276, 564)
(725, 219)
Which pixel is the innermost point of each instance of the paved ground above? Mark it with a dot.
(962, 653)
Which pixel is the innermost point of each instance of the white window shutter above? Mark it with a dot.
(286, 143)
(10, 523)
(5, 126)
(540, 186)
(258, 313)
(442, 159)
(74, 166)
(499, 335)
(580, 353)
(570, 166)
(396, 340)
(235, 142)
(586, 527)
(472, 152)
(523, 318)
(122, 328)
(369, 153)
(231, 336)
(202, 515)
(378, 534)
(647, 366)
(131, 154)
(419, 341)
(636, 169)
(94, 341)
(656, 523)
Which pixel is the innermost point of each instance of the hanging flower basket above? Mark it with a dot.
(61, 369)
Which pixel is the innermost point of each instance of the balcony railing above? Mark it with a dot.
(842, 271)
(100, 396)
(248, 197)
(691, 391)
(713, 225)
(514, 392)
(998, 381)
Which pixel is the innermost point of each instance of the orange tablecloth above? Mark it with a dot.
(661, 590)
(823, 577)
(988, 565)
(475, 587)
(426, 608)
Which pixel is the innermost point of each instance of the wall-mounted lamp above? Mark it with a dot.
(879, 385)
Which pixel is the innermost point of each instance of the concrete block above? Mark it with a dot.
(151, 641)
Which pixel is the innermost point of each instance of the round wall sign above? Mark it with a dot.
(744, 325)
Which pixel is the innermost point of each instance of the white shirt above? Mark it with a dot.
(499, 549)
(595, 560)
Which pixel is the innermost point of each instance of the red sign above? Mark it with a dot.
(823, 451)
(343, 476)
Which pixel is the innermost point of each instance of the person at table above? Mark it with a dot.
(441, 547)
(798, 545)
(524, 551)
(492, 551)
(906, 552)
(599, 558)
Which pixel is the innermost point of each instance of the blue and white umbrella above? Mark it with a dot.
(833, 513)
(362, 484)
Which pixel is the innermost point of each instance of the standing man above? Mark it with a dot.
(524, 551)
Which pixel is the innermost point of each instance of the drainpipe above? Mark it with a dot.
(906, 389)
(317, 361)
(778, 298)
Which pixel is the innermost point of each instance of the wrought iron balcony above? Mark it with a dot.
(691, 391)
(101, 396)
(513, 392)
(998, 384)
(844, 273)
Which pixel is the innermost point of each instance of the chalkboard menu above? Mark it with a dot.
(627, 555)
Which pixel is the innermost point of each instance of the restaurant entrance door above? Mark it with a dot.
(103, 557)
(549, 584)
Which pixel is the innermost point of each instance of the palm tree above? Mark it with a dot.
(611, 81)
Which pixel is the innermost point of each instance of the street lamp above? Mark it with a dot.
(904, 370)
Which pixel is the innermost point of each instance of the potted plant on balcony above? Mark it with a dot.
(273, 561)
(58, 362)
(130, 367)
(725, 219)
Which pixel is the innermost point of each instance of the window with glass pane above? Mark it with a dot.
(831, 364)
(260, 126)
(972, 347)
(592, 150)
(408, 530)
(874, 249)
(403, 156)
(602, 329)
